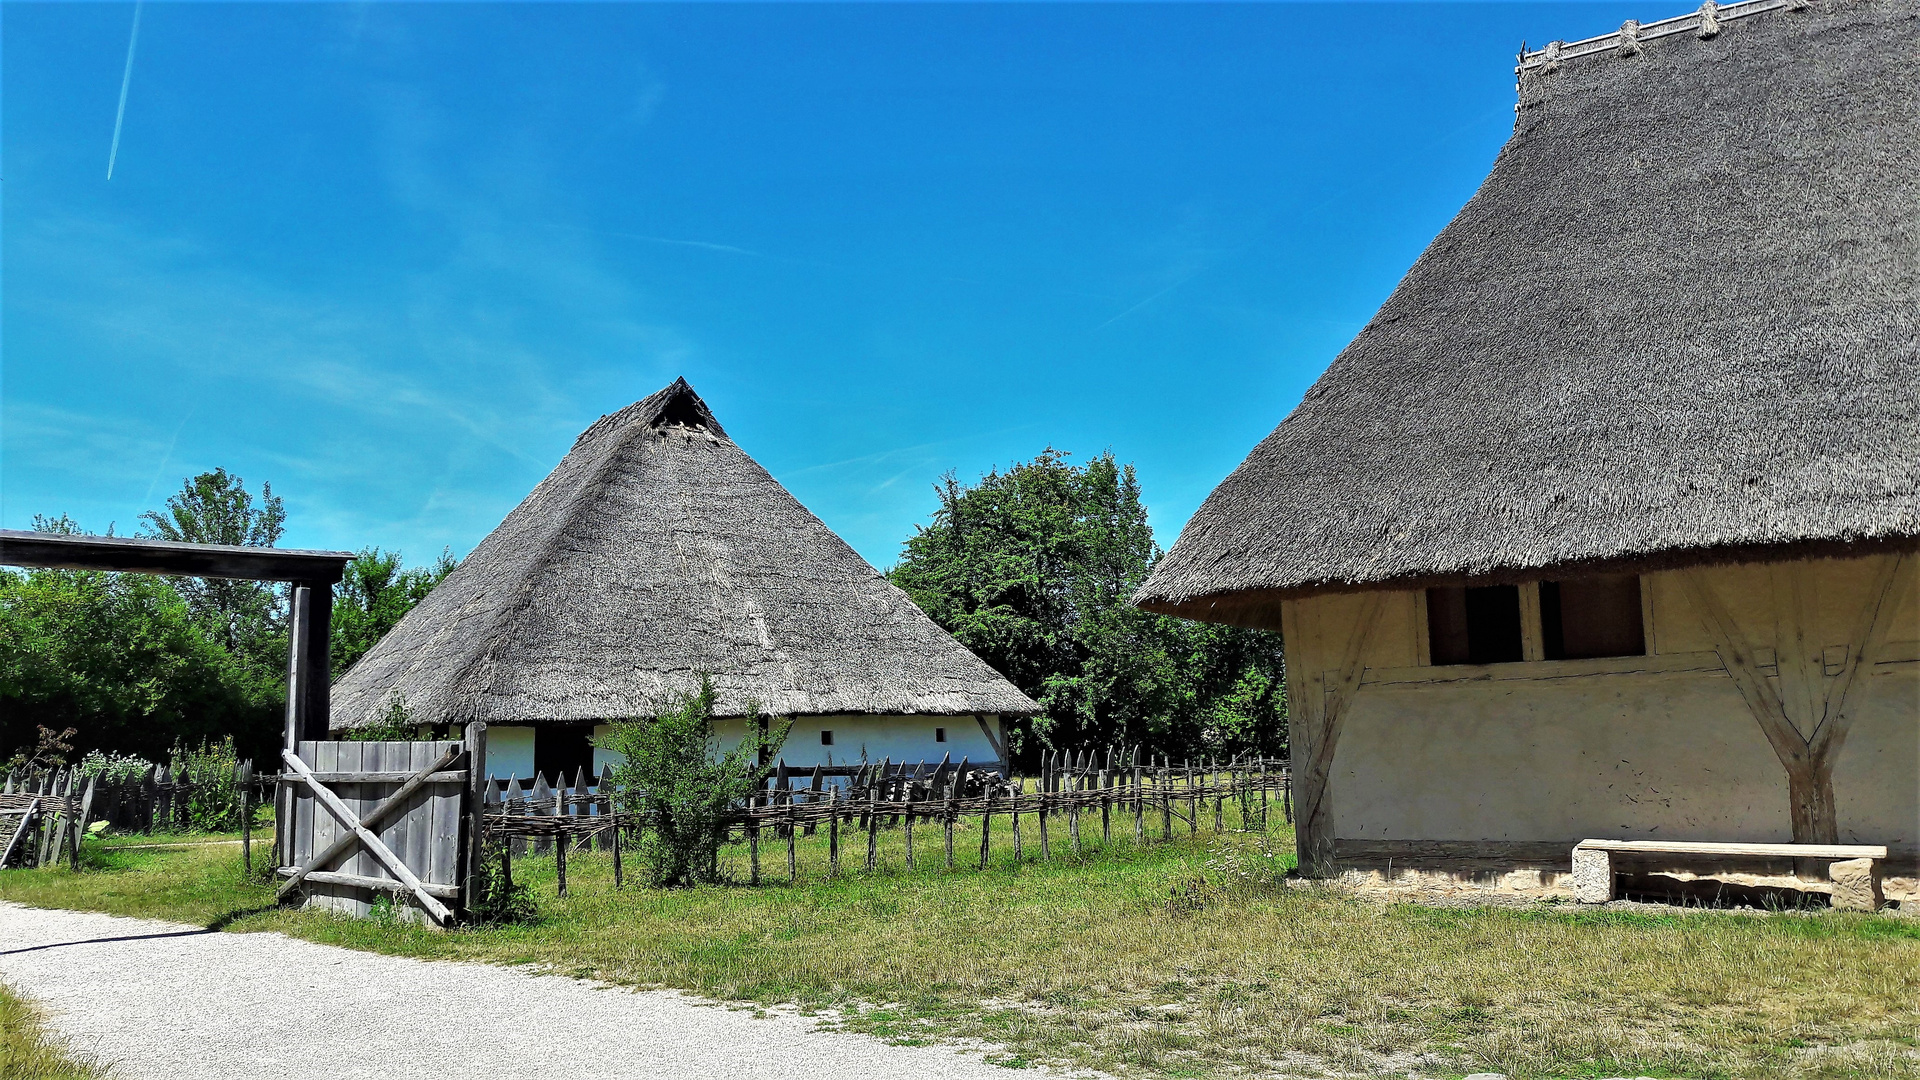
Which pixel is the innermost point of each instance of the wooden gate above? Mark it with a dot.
(361, 820)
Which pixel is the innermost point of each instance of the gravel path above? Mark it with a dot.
(164, 1000)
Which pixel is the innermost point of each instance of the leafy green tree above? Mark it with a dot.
(1033, 570)
(120, 658)
(685, 787)
(247, 617)
(374, 593)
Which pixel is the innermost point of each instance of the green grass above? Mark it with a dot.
(28, 1052)
(1186, 959)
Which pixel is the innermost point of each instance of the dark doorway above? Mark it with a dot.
(560, 751)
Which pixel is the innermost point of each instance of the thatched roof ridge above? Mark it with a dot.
(655, 551)
(1679, 320)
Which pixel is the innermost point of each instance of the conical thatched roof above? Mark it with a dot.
(1680, 321)
(657, 550)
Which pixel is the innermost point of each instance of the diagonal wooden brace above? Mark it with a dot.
(362, 834)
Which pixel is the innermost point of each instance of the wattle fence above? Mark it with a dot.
(1152, 799)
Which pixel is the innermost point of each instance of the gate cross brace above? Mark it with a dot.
(362, 833)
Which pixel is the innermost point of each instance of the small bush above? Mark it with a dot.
(494, 900)
(683, 786)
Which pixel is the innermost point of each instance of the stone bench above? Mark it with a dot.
(1856, 884)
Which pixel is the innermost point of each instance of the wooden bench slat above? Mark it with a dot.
(1780, 851)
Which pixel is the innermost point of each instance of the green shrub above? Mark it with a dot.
(683, 786)
(213, 799)
(495, 899)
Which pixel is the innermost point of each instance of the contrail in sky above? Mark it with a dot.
(126, 77)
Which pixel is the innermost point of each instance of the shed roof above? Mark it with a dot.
(655, 551)
(1680, 321)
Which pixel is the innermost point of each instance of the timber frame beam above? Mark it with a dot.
(1328, 696)
(1807, 750)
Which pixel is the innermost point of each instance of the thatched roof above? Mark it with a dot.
(655, 551)
(1680, 321)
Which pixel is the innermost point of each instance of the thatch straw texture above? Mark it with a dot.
(1681, 317)
(655, 551)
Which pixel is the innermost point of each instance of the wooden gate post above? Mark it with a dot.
(474, 739)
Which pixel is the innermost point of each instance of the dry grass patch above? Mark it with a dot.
(1191, 959)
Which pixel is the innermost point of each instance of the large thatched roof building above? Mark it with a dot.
(1597, 528)
(658, 550)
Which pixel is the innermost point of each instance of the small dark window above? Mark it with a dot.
(939, 734)
(562, 750)
(1478, 625)
(1592, 617)
(826, 738)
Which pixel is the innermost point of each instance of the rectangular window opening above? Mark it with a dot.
(1474, 624)
(826, 737)
(1592, 617)
(939, 734)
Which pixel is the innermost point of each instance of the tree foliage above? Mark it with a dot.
(1033, 570)
(137, 663)
(247, 617)
(376, 590)
(675, 774)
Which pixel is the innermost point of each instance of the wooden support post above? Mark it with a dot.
(947, 815)
(1164, 790)
(833, 831)
(560, 856)
(1046, 845)
(1106, 808)
(873, 827)
(1073, 820)
(793, 857)
(473, 740)
(619, 875)
(909, 825)
(1139, 808)
(1019, 789)
(813, 797)
(986, 826)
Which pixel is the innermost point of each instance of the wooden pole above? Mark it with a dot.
(909, 823)
(619, 875)
(1139, 808)
(1046, 847)
(479, 787)
(1073, 820)
(1019, 789)
(560, 854)
(986, 823)
(833, 831)
(1106, 807)
(793, 859)
(873, 827)
(947, 816)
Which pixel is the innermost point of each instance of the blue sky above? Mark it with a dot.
(394, 257)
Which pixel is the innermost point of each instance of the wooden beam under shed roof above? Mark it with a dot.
(65, 552)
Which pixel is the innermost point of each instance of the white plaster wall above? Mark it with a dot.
(1876, 781)
(1622, 756)
(902, 738)
(1632, 755)
(509, 751)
